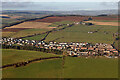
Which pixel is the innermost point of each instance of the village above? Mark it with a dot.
(73, 49)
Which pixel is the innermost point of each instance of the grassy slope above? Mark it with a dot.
(79, 33)
(13, 56)
(38, 37)
(90, 68)
(73, 68)
(43, 69)
(58, 23)
(28, 32)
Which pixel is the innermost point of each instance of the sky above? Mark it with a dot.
(59, 0)
(59, 5)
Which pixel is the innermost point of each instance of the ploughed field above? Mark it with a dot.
(73, 67)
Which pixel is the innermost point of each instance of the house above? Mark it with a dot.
(90, 48)
(82, 53)
(83, 48)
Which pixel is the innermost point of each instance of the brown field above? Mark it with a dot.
(109, 18)
(104, 23)
(58, 19)
(73, 18)
(35, 25)
(13, 29)
(3, 15)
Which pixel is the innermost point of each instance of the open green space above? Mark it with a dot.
(38, 37)
(27, 32)
(79, 33)
(13, 56)
(74, 67)
(58, 23)
(90, 68)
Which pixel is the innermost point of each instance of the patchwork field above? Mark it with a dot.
(73, 67)
(61, 18)
(74, 18)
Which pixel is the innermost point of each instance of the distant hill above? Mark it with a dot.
(78, 12)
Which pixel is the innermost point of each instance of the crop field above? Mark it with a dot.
(38, 25)
(13, 56)
(7, 34)
(79, 33)
(104, 23)
(61, 18)
(73, 67)
(74, 18)
(13, 29)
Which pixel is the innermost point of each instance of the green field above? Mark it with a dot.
(38, 37)
(58, 23)
(79, 33)
(74, 67)
(28, 32)
(90, 68)
(12, 56)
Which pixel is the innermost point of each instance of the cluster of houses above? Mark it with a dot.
(74, 49)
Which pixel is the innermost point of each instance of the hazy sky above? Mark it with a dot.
(60, 0)
(59, 5)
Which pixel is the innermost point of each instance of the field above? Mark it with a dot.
(79, 33)
(104, 23)
(38, 25)
(70, 67)
(73, 68)
(28, 32)
(12, 56)
(73, 18)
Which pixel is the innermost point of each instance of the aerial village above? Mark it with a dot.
(73, 49)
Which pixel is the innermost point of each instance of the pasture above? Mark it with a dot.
(79, 33)
(38, 37)
(13, 56)
(73, 67)
(27, 32)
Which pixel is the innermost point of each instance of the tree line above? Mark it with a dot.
(33, 48)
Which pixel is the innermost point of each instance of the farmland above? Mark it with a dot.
(32, 25)
(12, 56)
(79, 33)
(73, 68)
(104, 23)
